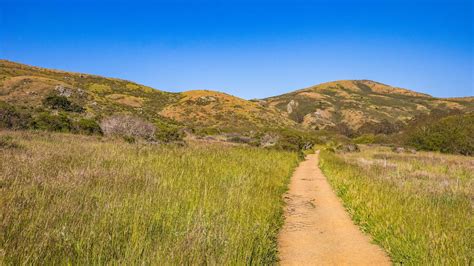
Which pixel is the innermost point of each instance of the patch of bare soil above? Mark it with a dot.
(317, 229)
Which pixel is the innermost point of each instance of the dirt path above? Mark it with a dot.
(318, 230)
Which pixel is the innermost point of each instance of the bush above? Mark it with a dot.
(454, 134)
(61, 103)
(128, 126)
(365, 139)
(344, 129)
(47, 121)
(349, 147)
(87, 126)
(384, 127)
(169, 133)
(293, 140)
(13, 118)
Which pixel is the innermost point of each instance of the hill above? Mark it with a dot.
(360, 105)
(347, 106)
(216, 109)
(28, 86)
(98, 97)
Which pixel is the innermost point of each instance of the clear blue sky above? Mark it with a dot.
(250, 49)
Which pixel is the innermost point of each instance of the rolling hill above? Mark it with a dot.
(216, 109)
(359, 104)
(27, 86)
(339, 105)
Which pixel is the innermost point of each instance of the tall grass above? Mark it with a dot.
(419, 207)
(82, 200)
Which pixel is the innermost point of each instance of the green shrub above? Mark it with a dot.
(61, 103)
(453, 134)
(47, 121)
(13, 117)
(87, 126)
(169, 133)
(294, 140)
(365, 139)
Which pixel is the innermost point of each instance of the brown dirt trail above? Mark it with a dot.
(317, 229)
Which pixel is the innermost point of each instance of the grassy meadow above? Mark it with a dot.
(72, 199)
(418, 207)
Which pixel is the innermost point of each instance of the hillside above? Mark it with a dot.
(360, 104)
(220, 110)
(344, 106)
(27, 87)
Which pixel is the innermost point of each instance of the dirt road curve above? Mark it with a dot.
(318, 230)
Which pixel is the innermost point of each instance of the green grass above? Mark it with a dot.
(417, 206)
(71, 199)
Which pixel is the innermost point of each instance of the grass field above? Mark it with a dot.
(419, 207)
(87, 200)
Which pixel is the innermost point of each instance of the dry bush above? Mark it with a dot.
(128, 126)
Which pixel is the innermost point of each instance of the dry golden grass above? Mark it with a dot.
(210, 108)
(128, 100)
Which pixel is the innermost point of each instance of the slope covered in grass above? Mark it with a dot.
(27, 87)
(219, 110)
(86, 200)
(361, 105)
(417, 206)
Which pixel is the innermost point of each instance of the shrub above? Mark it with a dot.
(87, 126)
(12, 117)
(383, 127)
(293, 140)
(61, 103)
(454, 134)
(365, 139)
(169, 133)
(47, 121)
(349, 147)
(128, 126)
(344, 129)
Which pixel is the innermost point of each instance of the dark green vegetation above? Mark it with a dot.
(452, 134)
(418, 207)
(84, 200)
